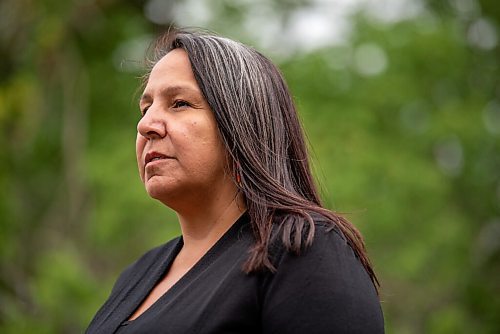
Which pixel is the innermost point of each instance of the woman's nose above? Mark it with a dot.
(151, 125)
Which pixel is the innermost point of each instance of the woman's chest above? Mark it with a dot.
(216, 300)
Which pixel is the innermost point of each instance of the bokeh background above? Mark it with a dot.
(400, 100)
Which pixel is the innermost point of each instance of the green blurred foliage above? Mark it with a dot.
(404, 126)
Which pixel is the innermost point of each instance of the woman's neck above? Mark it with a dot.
(202, 228)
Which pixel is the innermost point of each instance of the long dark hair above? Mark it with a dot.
(260, 129)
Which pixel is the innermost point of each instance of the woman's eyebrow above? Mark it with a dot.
(169, 91)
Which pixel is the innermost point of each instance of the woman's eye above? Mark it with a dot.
(181, 104)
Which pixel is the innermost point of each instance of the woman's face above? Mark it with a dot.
(180, 156)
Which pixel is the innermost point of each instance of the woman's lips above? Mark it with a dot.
(152, 157)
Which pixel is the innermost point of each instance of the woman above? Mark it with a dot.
(220, 143)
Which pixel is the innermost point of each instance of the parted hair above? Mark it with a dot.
(259, 126)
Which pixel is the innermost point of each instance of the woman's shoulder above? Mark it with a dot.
(327, 259)
(327, 231)
(313, 230)
(325, 284)
(324, 253)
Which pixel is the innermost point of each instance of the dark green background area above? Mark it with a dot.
(411, 155)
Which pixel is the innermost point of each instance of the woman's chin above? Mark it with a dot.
(153, 193)
(155, 188)
(165, 192)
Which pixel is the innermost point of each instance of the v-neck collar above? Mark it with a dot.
(152, 276)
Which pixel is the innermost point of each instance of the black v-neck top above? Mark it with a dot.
(324, 290)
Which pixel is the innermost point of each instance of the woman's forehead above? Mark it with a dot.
(172, 73)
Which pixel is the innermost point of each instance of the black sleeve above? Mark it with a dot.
(324, 290)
